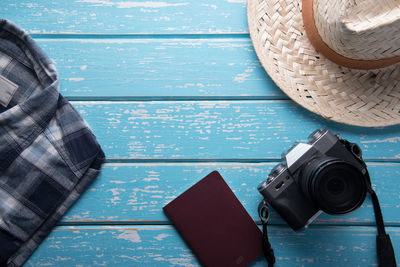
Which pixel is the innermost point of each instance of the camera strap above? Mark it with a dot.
(384, 246)
(263, 212)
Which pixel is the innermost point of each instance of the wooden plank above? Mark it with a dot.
(136, 193)
(162, 246)
(122, 16)
(209, 130)
(160, 68)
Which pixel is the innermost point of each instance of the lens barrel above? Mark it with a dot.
(335, 186)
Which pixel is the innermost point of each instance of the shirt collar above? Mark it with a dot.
(30, 117)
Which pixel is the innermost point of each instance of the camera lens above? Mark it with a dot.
(337, 187)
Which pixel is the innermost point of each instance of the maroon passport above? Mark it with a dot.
(214, 224)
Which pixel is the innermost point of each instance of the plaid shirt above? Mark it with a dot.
(48, 155)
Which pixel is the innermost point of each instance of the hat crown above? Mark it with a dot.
(359, 29)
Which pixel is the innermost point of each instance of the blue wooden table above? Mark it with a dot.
(174, 90)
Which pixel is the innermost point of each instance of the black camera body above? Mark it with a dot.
(326, 174)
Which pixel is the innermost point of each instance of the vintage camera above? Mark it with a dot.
(326, 174)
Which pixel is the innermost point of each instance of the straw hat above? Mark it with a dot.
(337, 58)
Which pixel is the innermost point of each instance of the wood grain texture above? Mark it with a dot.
(233, 130)
(136, 193)
(160, 68)
(119, 16)
(148, 60)
(162, 246)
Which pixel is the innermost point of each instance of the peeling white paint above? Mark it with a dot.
(148, 191)
(115, 41)
(387, 140)
(151, 179)
(184, 261)
(76, 79)
(116, 199)
(130, 235)
(117, 182)
(212, 6)
(161, 236)
(130, 4)
(242, 77)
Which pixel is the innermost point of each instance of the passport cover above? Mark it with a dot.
(214, 224)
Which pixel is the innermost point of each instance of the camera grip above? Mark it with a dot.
(296, 213)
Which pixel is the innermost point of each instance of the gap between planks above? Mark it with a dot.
(139, 36)
(233, 160)
(175, 98)
(167, 223)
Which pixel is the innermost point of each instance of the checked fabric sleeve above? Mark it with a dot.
(48, 154)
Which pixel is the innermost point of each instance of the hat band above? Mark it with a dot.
(329, 53)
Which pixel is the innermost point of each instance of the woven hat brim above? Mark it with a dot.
(356, 97)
